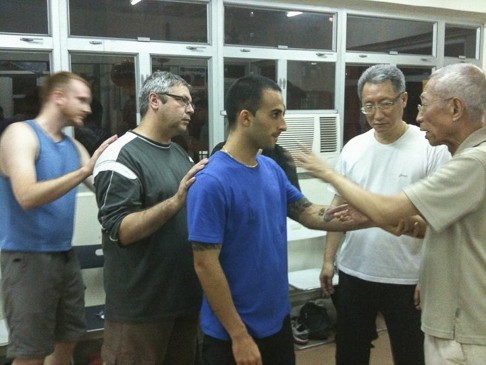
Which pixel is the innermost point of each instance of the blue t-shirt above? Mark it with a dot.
(49, 227)
(245, 210)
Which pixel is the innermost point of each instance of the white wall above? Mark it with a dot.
(475, 6)
(307, 253)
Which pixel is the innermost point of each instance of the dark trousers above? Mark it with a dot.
(277, 349)
(358, 304)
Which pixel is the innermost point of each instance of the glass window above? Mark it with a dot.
(355, 122)
(368, 34)
(235, 68)
(155, 20)
(114, 106)
(415, 78)
(20, 77)
(460, 41)
(195, 72)
(26, 16)
(273, 28)
(310, 85)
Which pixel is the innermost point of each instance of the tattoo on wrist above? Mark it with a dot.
(327, 217)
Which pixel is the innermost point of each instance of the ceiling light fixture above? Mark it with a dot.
(290, 14)
(133, 2)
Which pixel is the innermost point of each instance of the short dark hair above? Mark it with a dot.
(246, 93)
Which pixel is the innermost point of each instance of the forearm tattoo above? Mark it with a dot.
(296, 208)
(199, 246)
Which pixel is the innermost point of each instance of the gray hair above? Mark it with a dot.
(159, 82)
(378, 74)
(464, 81)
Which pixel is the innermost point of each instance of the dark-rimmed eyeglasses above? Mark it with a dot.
(384, 105)
(181, 99)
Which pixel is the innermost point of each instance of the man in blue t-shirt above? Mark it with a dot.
(237, 211)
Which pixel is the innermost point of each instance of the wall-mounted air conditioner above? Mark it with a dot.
(320, 133)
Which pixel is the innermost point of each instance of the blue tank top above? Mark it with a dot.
(47, 228)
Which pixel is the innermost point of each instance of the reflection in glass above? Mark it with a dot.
(460, 41)
(26, 16)
(384, 35)
(310, 85)
(195, 72)
(112, 80)
(235, 68)
(155, 20)
(21, 73)
(273, 28)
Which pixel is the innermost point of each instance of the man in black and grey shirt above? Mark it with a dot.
(152, 293)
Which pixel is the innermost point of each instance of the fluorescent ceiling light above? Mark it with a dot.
(290, 14)
(133, 2)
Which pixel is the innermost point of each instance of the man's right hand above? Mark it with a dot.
(245, 351)
(189, 179)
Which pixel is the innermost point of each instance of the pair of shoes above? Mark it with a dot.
(300, 333)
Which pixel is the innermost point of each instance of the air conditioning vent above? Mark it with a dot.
(328, 133)
(320, 133)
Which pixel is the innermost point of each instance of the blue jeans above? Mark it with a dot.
(277, 349)
(358, 304)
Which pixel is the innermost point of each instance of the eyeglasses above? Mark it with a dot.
(421, 108)
(181, 99)
(384, 105)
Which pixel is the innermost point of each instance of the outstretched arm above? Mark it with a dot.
(316, 216)
(381, 209)
(17, 162)
(138, 225)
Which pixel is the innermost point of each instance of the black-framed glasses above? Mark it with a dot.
(384, 105)
(181, 99)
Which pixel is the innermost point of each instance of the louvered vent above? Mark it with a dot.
(328, 129)
(320, 133)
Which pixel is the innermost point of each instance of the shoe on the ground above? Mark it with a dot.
(300, 333)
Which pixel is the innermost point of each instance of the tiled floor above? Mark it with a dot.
(324, 354)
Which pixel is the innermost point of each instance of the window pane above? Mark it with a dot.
(112, 80)
(20, 77)
(235, 68)
(157, 20)
(26, 16)
(415, 78)
(389, 35)
(310, 85)
(354, 122)
(195, 72)
(272, 28)
(460, 42)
